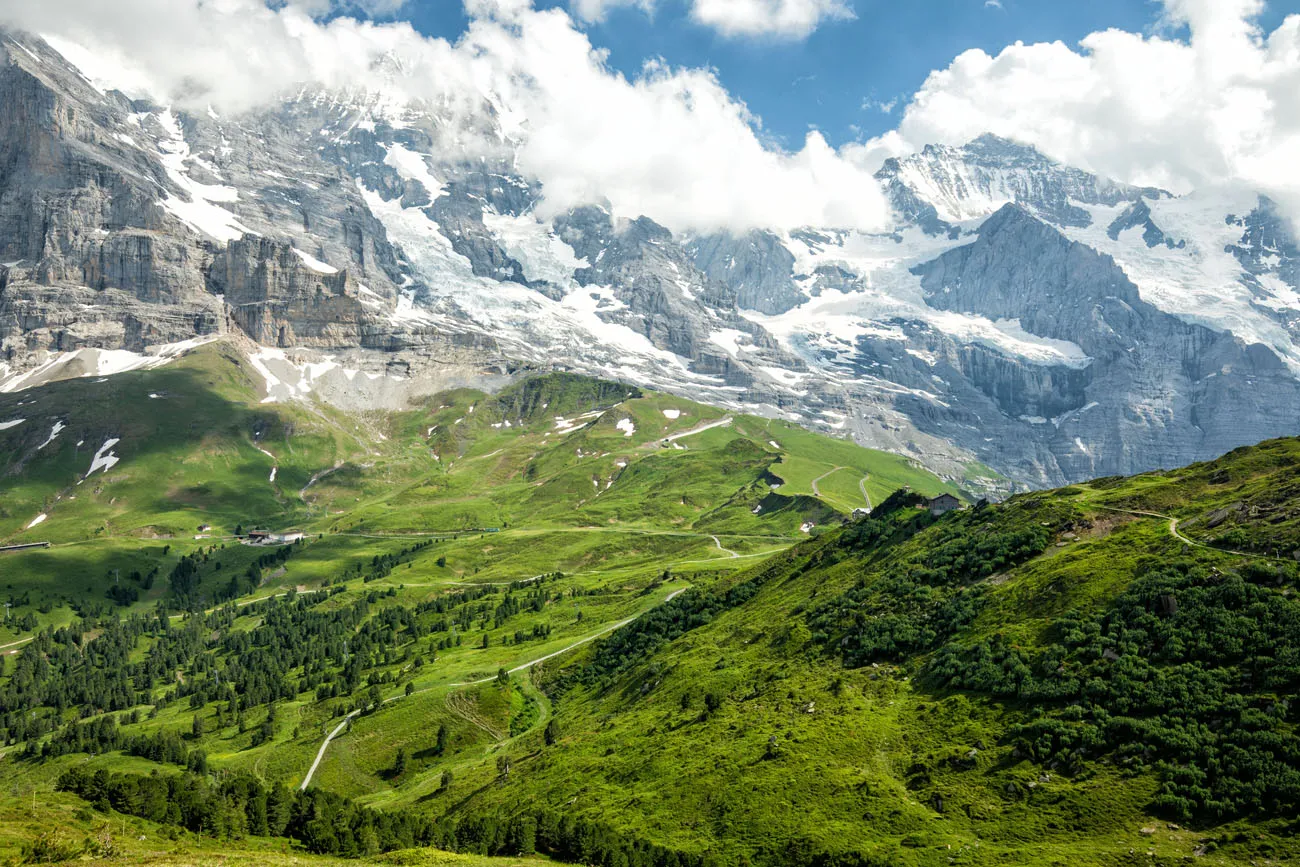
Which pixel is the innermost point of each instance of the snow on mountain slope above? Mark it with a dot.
(203, 211)
(350, 230)
(958, 185)
(1197, 278)
(95, 362)
(833, 320)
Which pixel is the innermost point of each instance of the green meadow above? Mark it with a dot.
(578, 621)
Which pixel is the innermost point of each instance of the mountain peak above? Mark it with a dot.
(996, 148)
(945, 185)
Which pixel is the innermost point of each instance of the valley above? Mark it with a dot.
(578, 618)
(436, 434)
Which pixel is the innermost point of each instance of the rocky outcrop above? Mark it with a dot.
(757, 266)
(1155, 385)
(660, 292)
(93, 255)
(942, 185)
(1138, 215)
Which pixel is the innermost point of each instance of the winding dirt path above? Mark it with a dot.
(1187, 540)
(320, 754)
(815, 490)
(718, 542)
(862, 486)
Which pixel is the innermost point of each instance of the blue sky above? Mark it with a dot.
(1215, 111)
(825, 80)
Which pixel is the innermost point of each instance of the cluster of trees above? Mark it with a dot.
(325, 823)
(186, 577)
(105, 735)
(130, 592)
(298, 646)
(1192, 672)
(578, 840)
(25, 622)
(922, 593)
(63, 668)
(637, 641)
(382, 565)
(239, 805)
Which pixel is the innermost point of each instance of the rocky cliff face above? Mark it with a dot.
(1020, 314)
(942, 187)
(757, 266)
(1155, 382)
(124, 226)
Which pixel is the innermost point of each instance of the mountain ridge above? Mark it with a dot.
(378, 240)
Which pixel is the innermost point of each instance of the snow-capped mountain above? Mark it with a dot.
(1021, 315)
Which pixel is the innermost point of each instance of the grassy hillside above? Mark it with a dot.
(190, 455)
(62, 827)
(441, 547)
(1060, 679)
(578, 619)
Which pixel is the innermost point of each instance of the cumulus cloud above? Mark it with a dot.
(777, 19)
(783, 19)
(1207, 99)
(1220, 105)
(596, 10)
(235, 54)
(669, 143)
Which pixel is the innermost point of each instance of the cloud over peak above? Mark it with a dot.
(1221, 106)
(669, 143)
(1209, 99)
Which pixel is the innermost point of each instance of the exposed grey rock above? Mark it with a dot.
(943, 184)
(1215, 392)
(373, 234)
(1138, 215)
(756, 265)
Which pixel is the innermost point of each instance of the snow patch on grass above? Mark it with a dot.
(104, 458)
(98, 363)
(54, 434)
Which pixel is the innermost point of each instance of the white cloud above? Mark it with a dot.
(669, 143)
(784, 19)
(777, 19)
(880, 105)
(1221, 106)
(596, 10)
